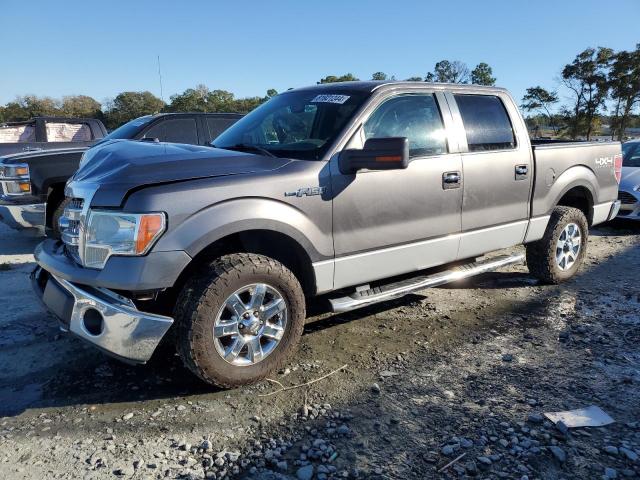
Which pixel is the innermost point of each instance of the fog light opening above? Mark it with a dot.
(92, 321)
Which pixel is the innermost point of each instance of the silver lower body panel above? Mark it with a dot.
(25, 217)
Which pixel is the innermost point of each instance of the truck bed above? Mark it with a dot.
(560, 163)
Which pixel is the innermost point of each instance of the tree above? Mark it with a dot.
(80, 106)
(537, 99)
(587, 79)
(129, 105)
(379, 76)
(348, 77)
(624, 81)
(415, 79)
(482, 75)
(272, 92)
(449, 72)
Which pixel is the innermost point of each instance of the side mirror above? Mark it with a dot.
(378, 154)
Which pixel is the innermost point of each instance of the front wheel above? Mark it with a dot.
(239, 319)
(558, 255)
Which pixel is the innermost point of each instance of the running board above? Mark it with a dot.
(364, 298)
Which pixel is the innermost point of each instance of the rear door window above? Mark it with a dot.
(414, 116)
(486, 123)
(68, 132)
(175, 130)
(631, 155)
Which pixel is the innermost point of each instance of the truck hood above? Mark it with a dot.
(119, 166)
(630, 178)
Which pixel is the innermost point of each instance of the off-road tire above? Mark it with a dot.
(55, 218)
(541, 255)
(203, 296)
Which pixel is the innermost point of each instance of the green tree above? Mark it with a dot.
(80, 106)
(446, 71)
(415, 79)
(379, 76)
(129, 105)
(538, 99)
(348, 77)
(586, 77)
(624, 81)
(483, 75)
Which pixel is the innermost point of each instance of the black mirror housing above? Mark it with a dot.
(378, 154)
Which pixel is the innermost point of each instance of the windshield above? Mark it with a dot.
(631, 154)
(129, 129)
(301, 125)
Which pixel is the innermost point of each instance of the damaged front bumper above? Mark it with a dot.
(109, 321)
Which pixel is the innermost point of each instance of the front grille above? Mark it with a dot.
(70, 228)
(626, 198)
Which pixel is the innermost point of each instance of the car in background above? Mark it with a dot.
(629, 191)
(47, 133)
(32, 183)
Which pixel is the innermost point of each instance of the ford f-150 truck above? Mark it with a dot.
(32, 183)
(360, 191)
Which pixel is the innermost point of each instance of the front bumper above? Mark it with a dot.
(107, 320)
(630, 210)
(154, 271)
(25, 217)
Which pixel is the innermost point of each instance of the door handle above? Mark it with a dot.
(521, 171)
(451, 180)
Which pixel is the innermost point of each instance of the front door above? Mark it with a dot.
(392, 222)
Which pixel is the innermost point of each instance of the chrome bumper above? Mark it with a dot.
(21, 217)
(109, 321)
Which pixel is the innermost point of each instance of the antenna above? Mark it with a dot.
(160, 77)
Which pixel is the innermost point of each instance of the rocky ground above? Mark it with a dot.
(458, 375)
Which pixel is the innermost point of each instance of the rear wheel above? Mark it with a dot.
(239, 319)
(558, 255)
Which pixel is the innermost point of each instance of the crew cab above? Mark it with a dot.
(32, 183)
(45, 133)
(360, 192)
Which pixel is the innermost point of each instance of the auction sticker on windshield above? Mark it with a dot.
(330, 99)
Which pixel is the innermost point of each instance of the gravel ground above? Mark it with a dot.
(459, 374)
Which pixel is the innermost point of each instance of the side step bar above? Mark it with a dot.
(364, 298)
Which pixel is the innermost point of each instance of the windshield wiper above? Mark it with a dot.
(247, 147)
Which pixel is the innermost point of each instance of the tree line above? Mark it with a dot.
(602, 85)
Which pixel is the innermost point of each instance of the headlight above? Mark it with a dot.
(15, 179)
(117, 233)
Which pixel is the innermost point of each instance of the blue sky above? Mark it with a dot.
(102, 48)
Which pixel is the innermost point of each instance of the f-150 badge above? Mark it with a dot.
(305, 192)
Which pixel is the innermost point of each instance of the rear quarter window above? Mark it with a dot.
(486, 123)
(17, 133)
(68, 132)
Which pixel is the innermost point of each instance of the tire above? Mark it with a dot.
(542, 255)
(55, 218)
(204, 301)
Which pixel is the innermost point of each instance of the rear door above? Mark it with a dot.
(497, 173)
(391, 222)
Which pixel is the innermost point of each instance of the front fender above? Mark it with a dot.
(226, 218)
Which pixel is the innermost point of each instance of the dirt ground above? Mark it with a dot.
(458, 375)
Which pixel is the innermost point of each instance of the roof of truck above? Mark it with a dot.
(371, 86)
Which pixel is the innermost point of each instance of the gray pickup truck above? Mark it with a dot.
(360, 192)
